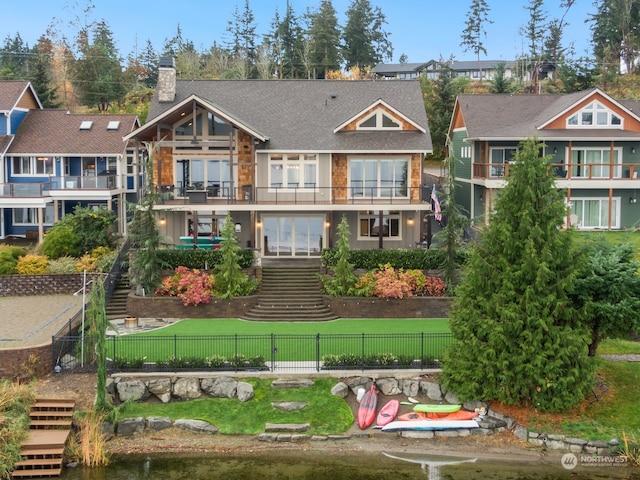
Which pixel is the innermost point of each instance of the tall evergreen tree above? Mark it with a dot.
(41, 75)
(98, 72)
(615, 36)
(324, 34)
(474, 32)
(242, 45)
(518, 337)
(500, 82)
(535, 34)
(289, 34)
(365, 43)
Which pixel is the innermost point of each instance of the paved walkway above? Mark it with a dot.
(33, 320)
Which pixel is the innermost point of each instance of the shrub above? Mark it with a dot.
(62, 265)
(31, 264)
(105, 262)
(9, 259)
(434, 287)
(193, 287)
(86, 262)
(61, 241)
(388, 282)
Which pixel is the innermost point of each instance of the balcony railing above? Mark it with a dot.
(303, 195)
(42, 189)
(568, 171)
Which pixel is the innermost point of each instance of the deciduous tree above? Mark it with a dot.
(518, 336)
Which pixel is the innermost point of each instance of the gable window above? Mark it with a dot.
(594, 212)
(293, 171)
(379, 120)
(186, 128)
(594, 115)
(595, 163)
(372, 177)
(369, 225)
(216, 126)
(33, 166)
(500, 157)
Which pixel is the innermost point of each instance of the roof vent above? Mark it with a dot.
(334, 96)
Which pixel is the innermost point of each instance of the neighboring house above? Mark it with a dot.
(472, 69)
(287, 159)
(594, 141)
(399, 71)
(53, 160)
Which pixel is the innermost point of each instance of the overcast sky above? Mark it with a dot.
(421, 29)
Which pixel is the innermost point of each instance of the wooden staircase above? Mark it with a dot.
(290, 292)
(43, 451)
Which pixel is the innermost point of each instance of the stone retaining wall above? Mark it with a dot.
(53, 284)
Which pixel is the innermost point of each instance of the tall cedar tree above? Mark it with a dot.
(41, 75)
(440, 98)
(242, 46)
(472, 35)
(324, 34)
(365, 42)
(535, 35)
(607, 291)
(518, 338)
(343, 280)
(289, 34)
(614, 30)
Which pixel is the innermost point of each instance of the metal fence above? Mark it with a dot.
(275, 352)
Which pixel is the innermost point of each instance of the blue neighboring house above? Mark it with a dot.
(53, 160)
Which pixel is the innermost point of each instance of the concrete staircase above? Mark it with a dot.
(117, 306)
(290, 292)
(42, 452)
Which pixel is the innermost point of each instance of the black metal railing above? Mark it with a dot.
(274, 352)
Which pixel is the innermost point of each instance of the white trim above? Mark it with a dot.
(377, 104)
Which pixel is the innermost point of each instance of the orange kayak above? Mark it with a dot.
(459, 415)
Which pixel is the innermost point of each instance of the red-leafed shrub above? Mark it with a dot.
(193, 287)
(387, 282)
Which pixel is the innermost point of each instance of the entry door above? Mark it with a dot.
(293, 236)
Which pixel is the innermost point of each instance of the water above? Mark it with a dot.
(322, 465)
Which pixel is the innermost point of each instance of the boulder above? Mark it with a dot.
(196, 426)
(431, 390)
(187, 388)
(219, 387)
(388, 386)
(130, 427)
(289, 406)
(357, 383)
(161, 388)
(244, 391)
(155, 424)
(410, 387)
(340, 389)
(134, 390)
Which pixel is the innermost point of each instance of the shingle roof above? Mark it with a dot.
(302, 114)
(10, 93)
(518, 116)
(5, 141)
(58, 132)
(383, 68)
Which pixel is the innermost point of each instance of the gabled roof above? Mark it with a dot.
(58, 132)
(5, 141)
(383, 68)
(515, 117)
(11, 91)
(377, 104)
(301, 115)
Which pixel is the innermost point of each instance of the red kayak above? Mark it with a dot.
(388, 412)
(367, 408)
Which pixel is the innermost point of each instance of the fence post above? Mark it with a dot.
(362, 357)
(317, 352)
(235, 355)
(273, 352)
(421, 350)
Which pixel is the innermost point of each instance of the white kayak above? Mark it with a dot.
(400, 425)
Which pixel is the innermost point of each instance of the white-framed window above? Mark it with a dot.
(379, 177)
(293, 171)
(595, 115)
(593, 213)
(32, 166)
(465, 152)
(499, 157)
(29, 216)
(596, 162)
(369, 225)
(379, 120)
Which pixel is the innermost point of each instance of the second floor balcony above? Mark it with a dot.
(60, 184)
(566, 171)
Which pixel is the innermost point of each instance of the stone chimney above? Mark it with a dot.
(166, 79)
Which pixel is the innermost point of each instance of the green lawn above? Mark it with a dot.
(325, 413)
(425, 339)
